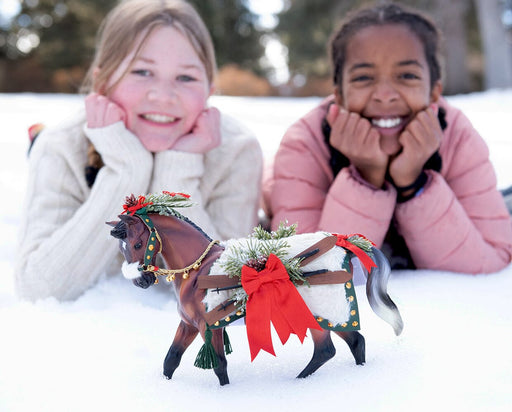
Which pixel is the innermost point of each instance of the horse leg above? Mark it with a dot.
(324, 350)
(355, 342)
(218, 345)
(185, 335)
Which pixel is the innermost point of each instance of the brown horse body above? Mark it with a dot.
(180, 243)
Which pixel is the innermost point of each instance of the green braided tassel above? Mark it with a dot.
(227, 344)
(207, 358)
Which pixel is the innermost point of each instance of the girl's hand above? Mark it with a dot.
(420, 140)
(205, 135)
(101, 111)
(355, 137)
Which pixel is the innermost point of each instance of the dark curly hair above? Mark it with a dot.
(381, 15)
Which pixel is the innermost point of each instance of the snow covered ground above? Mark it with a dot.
(105, 350)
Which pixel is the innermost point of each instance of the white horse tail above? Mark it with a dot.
(376, 291)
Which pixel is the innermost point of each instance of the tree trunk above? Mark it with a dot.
(497, 49)
(450, 16)
(3, 70)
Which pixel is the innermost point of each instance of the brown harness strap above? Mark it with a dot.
(216, 281)
(219, 312)
(311, 253)
(328, 278)
(318, 249)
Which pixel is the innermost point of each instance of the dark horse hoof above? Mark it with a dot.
(224, 381)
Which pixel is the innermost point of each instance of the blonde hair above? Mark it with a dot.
(121, 28)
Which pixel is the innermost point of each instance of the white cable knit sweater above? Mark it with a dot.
(64, 243)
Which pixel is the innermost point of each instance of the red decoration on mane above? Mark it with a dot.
(131, 208)
(176, 194)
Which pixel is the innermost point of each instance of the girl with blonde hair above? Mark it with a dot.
(146, 127)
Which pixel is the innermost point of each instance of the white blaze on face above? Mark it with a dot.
(130, 270)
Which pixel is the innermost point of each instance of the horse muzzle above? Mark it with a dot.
(139, 278)
(145, 280)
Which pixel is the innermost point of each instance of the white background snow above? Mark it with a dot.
(105, 350)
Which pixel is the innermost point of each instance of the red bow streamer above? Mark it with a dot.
(172, 194)
(273, 298)
(366, 260)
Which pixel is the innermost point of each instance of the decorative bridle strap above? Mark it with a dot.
(152, 239)
(171, 273)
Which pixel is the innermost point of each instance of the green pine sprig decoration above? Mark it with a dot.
(283, 231)
(362, 243)
(165, 203)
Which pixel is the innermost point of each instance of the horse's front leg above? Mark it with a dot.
(218, 345)
(185, 335)
(324, 350)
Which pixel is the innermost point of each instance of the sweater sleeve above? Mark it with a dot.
(460, 222)
(305, 192)
(224, 184)
(64, 243)
(182, 172)
(232, 184)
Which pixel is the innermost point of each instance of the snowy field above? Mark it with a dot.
(105, 350)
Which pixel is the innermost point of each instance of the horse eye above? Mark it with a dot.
(138, 245)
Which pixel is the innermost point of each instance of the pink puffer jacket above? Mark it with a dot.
(458, 223)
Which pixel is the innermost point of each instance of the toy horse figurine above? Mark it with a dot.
(297, 282)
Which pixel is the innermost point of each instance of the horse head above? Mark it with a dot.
(133, 237)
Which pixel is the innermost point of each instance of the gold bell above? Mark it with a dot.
(196, 266)
(170, 277)
(185, 275)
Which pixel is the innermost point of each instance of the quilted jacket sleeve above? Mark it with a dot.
(460, 222)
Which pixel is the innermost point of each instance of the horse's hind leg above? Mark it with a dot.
(185, 335)
(355, 342)
(324, 350)
(218, 345)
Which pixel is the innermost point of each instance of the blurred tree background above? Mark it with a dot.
(47, 45)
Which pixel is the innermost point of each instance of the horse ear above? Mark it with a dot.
(112, 223)
(129, 220)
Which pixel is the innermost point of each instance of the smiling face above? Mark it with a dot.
(386, 80)
(164, 89)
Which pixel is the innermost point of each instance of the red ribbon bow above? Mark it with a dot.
(366, 260)
(140, 204)
(273, 298)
